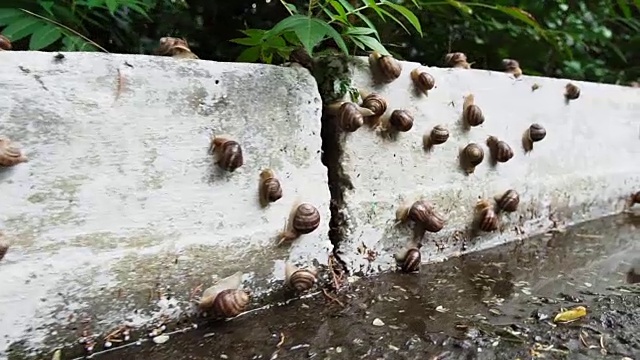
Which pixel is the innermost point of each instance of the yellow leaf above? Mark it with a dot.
(571, 315)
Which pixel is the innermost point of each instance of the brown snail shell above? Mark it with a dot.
(438, 135)
(10, 154)
(303, 219)
(175, 47)
(224, 298)
(350, 116)
(572, 92)
(228, 152)
(512, 67)
(509, 201)
(270, 189)
(486, 216)
(472, 155)
(423, 213)
(534, 133)
(635, 198)
(410, 259)
(4, 247)
(300, 279)
(401, 120)
(5, 43)
(386, 65)
(457, 60)
(471, 113)
(422, 80)
(500, 150)
(376, 103)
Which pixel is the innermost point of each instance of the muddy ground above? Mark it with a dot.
(497, 304)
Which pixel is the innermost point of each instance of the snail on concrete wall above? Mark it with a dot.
(4, 247)
(470, 157)
(10, 154)
(421, 212)
(471, 113)
(508, 201)
(175, 47)
(300, 279)
(512, 67)
(409, 258)
(437, 136)
(533, 134)
(500, 150)
(376, 103)
(400, 120)
(225, 299)
(457, 60)
(422, 80)
(227, 152)
(5, 43)
(269, 188)
(349, 115)
(304, 218)
(486, 216)
(385, 67)
(571, 91)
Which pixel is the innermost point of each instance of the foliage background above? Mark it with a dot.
(593, 40)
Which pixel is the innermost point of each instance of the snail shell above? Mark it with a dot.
(471, 113)
(388, 67)
(224, 298)
(350, 115)
(376, 103)
(536, 132)
(228, 152)
(472, 155)
(300, 279)
(486, 216)
(457, 60)
(4, 247)
(5, 43)
(303, 219)
(10, 155)
(270, 189)
(512, 67)
(635, 198)
(500, 150)
(401, 120)
(509, 201)
(422, 80)
(409, 259)
(438, 135)
(572, 92)
(423, 213)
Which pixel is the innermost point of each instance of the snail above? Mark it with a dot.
(471, 113)
(486, 217)
(174, 47)
(512, 67)
(633, 274)
(350, 116)
(10, 154)
(227, 152)
(471, 156)
(4, 247)
(269, 189)
(457, 60)
(534, 133)
(376, 103)
(304, 218)
(422, 80)
(385, 66)
(500, 150)
(225, 299)
(509, 201)
(421, 212)
(401, 120)
(5, 43)
(571, 92)
(634, 199)
(299, 279)
(438, 135)
(409, 258)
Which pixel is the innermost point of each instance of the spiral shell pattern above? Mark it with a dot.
(422, 80)
(412, 261)
(457, 60)
(306, 218)
(439, 135)
(536, 132)
(423, 212)
(302, 280)
(231, 156)
(389, 67)
(376, 103)
(509, 201)
(10, 155)
(231, 302)
(473, 115)
(401, 120)
(473, 154)
(488, 219)
(500, 150)
(572, 92)
(272, 189)
(349, 117)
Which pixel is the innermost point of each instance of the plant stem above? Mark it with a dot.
(67, 28)
(286, 7)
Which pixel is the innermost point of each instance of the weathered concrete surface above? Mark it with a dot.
(120, 199)
(586, 167)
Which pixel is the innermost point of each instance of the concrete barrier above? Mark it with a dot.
(120, 201)
(586, 167)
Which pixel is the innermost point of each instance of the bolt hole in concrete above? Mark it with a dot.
(495, 304)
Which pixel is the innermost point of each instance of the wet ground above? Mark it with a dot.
(497, 304)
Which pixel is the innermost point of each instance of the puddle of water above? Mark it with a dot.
(420, 311)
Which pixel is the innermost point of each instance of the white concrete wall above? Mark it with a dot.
(586, 167)
(121, 195)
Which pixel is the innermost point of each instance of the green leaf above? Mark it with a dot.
(373, 5)
(311, 34)
(8, 16)
(47, 5)
(395, 19)
(292, 8)
(335, 36)
(369, 24)
(345, 4)
(251, 54)
(288, 23)
(357, 42)
(460, 6)
(291, 37)
(112, 5)
(519, 14)
(22, 28)
(339, 9)
(625, 8)
(254, 33)
(356, 30)
(44, 36)
(333, 16)
(372, 43)
(247, 41)
(276, 42)
(310, 31)
(410, 16)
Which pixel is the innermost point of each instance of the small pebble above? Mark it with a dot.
(223, 356)
(394, 348)
(377, 322)
(161, 339)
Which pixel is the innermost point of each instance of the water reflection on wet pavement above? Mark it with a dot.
(478, 306)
